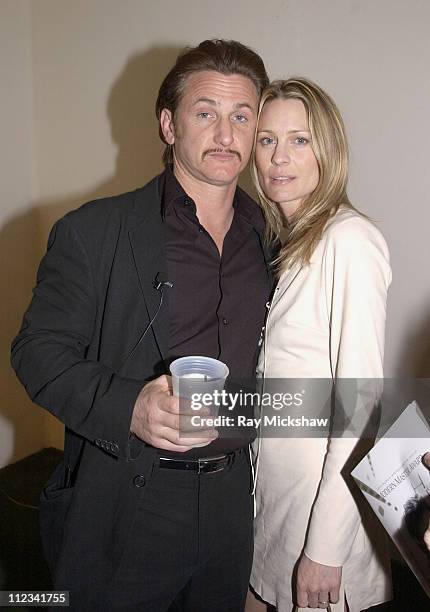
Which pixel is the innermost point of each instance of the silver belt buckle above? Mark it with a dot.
(203, 462)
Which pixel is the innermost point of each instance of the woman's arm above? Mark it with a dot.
(356, 275)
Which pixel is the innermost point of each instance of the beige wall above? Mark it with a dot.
(21, 427)
(93, 72)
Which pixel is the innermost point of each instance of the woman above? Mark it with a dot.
(326, 321)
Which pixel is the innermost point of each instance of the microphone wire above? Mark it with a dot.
(147, 328)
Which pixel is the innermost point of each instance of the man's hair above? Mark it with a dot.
(224, 56)
(328, 141)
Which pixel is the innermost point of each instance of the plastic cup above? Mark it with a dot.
(197, 377)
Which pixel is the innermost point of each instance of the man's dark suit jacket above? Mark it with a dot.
(93, 299)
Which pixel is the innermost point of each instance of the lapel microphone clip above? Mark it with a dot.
(158, 284)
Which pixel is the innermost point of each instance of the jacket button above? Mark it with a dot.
(114, 447)
(139, 481)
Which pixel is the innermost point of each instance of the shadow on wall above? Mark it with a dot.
(412, 376)
(19, 425)
(23, 239)
(416, 352)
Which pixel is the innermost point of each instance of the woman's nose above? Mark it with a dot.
(281, 155)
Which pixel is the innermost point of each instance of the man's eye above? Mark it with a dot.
(240, 118)
(204, 115)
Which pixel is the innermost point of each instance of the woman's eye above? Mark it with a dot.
(301, 140)
(266, 140)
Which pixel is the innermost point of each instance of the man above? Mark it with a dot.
(137, 518)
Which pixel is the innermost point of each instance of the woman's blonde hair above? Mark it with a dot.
(328, 141)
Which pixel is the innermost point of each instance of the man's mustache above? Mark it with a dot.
(229, 151)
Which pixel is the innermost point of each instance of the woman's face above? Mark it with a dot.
(287, 167)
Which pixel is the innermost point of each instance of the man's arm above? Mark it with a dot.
(49, 353)
(49, 356)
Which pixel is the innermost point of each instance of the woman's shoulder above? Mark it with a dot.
(353, 230)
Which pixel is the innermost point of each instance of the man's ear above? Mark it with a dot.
(166, 125)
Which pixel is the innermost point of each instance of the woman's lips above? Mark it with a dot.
(282, 180)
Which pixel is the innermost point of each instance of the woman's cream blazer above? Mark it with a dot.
(326, 320)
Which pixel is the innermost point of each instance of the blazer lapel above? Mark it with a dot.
(285, 281)
(147, 245)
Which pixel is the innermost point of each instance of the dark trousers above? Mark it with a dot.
(190, 547)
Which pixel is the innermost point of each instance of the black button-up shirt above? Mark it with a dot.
(217, 303)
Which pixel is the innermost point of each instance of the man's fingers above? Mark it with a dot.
(323, 599)
(169, 439)
(201, 438)
(168, 446)
(302, 598)
(192, 426)
(312, 599)
(186, 426)
(162, 383)
(175, 429)
(173, 442)
(177, 405)
(334, 594)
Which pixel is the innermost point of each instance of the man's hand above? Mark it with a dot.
(317, 583)
(156, 419)
(426, 461)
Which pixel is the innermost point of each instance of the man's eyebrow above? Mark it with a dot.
(237, 106)
(244, 105)
(207, 100)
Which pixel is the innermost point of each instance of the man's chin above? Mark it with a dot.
(224, 174)
(222, 180)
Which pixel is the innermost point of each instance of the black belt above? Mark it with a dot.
(205, 465)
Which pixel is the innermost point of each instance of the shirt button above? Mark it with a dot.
(139, 481)
(187, 202)
(225, 321)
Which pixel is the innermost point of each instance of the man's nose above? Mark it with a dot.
(224, 132)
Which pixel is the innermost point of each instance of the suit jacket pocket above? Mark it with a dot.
(55, 501)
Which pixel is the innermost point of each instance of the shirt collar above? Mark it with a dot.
(171, 190)
(249, 210)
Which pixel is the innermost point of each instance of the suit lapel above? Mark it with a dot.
(147, 246)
